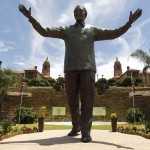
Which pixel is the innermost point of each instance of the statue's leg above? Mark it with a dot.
(87, 84)
(72, 90)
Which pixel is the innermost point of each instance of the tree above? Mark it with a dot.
(138, 80)
(144, 57)
(61, 80)
(7, 78)
(52, 81)
(34, 82)
(102, 81)
(111, 81)
(127, 81)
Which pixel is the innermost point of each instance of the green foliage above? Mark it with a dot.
(46, 83)
(57, 87)
(117, 83)
(41, 83)
(102, 85)
(61, 80)
(111, 82)
(143, 57)
(51, 80)
(138, 81)
(27, 115)
(34, 82)
(7, 78)
(25, 80)
(15, 128)
(102, 81)
(139, 116)
(60, 84)
(147, 126)
(37, 82)
(6, 126)
(127, 81)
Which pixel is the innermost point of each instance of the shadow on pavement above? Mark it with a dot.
(62, 140)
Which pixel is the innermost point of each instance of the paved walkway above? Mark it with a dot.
(57, 140)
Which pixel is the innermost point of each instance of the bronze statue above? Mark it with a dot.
(79, 63)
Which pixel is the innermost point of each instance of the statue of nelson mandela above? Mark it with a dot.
(79, 62)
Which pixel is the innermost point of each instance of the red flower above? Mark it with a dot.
(28, 129)
(134, 128)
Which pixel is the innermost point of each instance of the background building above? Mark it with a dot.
(34, 73)
(130, 72)
(117, 69)
(46, 69)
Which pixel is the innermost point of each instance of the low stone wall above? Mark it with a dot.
(115, 100)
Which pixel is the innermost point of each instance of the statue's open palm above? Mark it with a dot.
(135, 16)
(24, 11)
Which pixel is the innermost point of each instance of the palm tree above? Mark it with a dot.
(143, 57)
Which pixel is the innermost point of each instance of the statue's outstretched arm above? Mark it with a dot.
(54, 32)
(112, 34)
(36, 25)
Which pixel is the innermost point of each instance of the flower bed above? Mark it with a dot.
(11, 134)
(23, 130)
(27, 130)
(133, 131)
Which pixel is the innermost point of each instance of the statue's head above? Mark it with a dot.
(80, 13)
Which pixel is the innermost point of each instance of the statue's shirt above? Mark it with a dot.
(79, 42)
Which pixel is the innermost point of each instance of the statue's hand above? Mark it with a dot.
(23, 10)
(135, 16)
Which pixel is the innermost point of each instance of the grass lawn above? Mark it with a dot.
(64, 127)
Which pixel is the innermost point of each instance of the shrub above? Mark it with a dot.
(61, 84)
(6, 126)
(27, 115)
(34, 82)
(111, 82)
(147, 126)
(126, 81)
(61, 80)
(42, 84)
(102, 81)
(139, 116)
(117, 83)
(138, 81)
(51, 80)
(25, 80)
(57, 87)
(48, 84)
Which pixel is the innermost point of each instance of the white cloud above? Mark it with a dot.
(100, 13)
(6, 46)
(20, 60)
(104, 11)
(3, 47)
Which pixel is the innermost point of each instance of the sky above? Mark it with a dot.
(21, 47)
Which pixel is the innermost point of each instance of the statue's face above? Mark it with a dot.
(79, 13)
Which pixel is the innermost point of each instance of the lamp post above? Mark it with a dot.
(103, 85)
(97, 77)
(133, 92)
